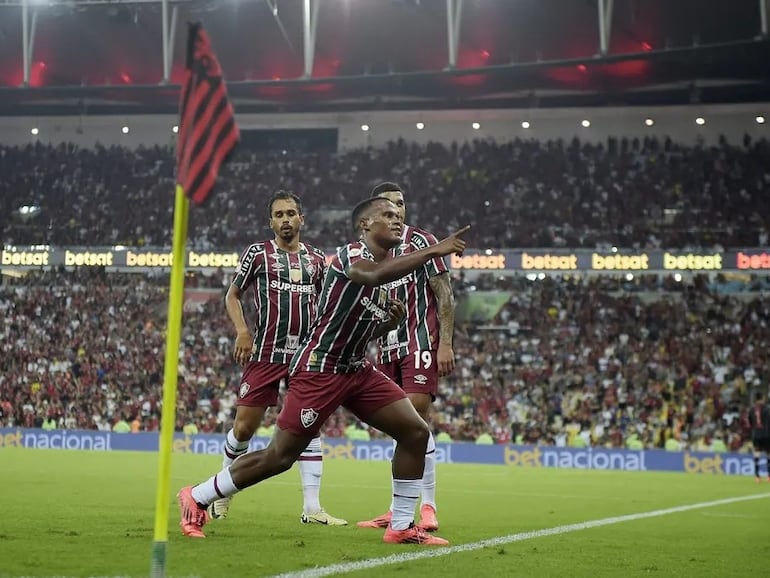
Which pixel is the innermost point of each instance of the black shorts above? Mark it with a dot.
(761, 444)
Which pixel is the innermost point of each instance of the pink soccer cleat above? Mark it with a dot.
(379, 522)
(412, 535)
(193, 516)
(428, 520)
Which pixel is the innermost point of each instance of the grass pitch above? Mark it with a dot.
(92, 514)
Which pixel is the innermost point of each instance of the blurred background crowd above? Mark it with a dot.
(626, 192)
(653, 362)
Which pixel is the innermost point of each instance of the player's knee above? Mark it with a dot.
(243, 430)
(417, 436)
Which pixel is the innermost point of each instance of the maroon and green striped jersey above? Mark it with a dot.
(286, 288)
(420, 329)
(348, 315)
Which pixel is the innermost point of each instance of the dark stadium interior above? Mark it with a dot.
(392, 54)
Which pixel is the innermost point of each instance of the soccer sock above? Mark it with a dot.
(215, 488)
(405, 496)
(429, 475)
(233, 449)
(395, 444)
(756, 466)
(310, 469)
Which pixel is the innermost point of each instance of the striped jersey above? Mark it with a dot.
(759, 421)
(419, 331)
(348, 315)
(286, 287)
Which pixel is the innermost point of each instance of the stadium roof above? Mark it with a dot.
(107, 56)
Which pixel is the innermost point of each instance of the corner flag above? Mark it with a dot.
(207, 135)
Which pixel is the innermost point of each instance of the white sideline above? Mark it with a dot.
(321, 571)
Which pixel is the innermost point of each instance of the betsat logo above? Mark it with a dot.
(581, 459)
(717, 464)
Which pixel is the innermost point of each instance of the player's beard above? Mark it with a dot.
(288, 234)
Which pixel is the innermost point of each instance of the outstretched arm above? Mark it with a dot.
(442, 289)
(371, 274)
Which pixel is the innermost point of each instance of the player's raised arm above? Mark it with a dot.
(380, 225)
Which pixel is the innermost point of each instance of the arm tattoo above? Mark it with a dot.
(442, 289)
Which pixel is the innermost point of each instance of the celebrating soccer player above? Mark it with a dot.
(420, 350)
(330, 369)
(286, 275)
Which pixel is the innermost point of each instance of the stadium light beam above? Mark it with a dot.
(454, 12)
(309, 28)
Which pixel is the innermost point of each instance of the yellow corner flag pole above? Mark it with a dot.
(208, 134)
(171, 367)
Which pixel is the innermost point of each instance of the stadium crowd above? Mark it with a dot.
(564, 362)
(628, 193)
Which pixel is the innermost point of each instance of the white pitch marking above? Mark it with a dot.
(333, 569)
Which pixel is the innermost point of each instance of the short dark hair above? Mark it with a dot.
(386, 187)
(362, 209)
(285, 196)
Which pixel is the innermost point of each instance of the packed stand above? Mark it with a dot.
(563, 360)
(629, 193)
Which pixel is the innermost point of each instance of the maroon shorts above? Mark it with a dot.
(415, 373)
(260, 382)
(313, 396)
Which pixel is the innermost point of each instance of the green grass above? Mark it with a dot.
(92, 514)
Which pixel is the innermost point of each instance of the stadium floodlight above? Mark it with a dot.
(586, 123)
(649, 122)
(364, 127)
(760, 119)
(175, 128)
(124, 130)
(420, 126)
(476, 126)
(29, 210)
(525, 124)
(700, 121)
(34, 131)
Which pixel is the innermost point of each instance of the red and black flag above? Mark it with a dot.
(207, 129)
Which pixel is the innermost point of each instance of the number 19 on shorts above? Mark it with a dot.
(423, 359)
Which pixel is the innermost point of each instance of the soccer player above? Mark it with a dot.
(330, 369)
(759, 421)
(420, 350)
(287, 276)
